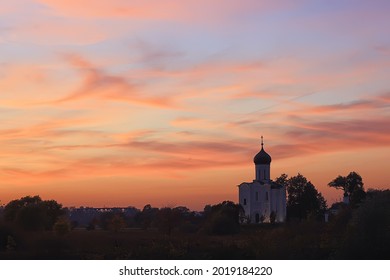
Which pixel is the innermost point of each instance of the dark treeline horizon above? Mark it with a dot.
(32, 228)
(164, 233)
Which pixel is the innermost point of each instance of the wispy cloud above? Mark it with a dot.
(99, 85)
(169, 10)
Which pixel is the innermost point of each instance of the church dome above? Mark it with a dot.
(262, 157)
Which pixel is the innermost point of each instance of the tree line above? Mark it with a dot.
(356, 230)
(304, 202)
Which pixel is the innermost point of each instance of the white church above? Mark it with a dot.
(263, 200)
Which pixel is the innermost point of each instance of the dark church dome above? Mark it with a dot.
(262, 157)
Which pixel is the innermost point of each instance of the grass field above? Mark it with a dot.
(303, 241)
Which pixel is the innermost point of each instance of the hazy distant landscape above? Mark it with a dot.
(177, 233)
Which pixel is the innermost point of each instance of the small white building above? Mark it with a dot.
(263, 200)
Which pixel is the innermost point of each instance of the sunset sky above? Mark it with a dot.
(120, 102)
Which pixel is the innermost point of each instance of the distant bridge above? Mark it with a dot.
(105, 209)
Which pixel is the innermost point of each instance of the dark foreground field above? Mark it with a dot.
(361, 232)
(308, 240)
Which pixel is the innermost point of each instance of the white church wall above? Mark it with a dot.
(258, 198)
(261, 199)
(275, 200)
(255, 201)
(244, 198)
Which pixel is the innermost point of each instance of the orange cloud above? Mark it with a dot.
(385, 98)
(168, 10)
(24, 84)
(41, 31)
(98, 84)
(372, 104)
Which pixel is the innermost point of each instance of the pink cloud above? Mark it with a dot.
(97, 84)
(333, 136)
(385, 98)
(255, 94)
(383, 49)
(169, 10)
(346, 108)
(42, 31)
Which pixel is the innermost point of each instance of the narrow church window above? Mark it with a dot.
(266, 196)
(244, 201)
(264, 175)
(257, 196)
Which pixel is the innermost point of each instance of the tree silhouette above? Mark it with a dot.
(303, 198)
(111, 220)
(117, 223)
(168, 219)
(282, 179)
(368, 235)
(146, 217)
(62, 226)
(33, 213)
(222, 218)
(352, 185)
